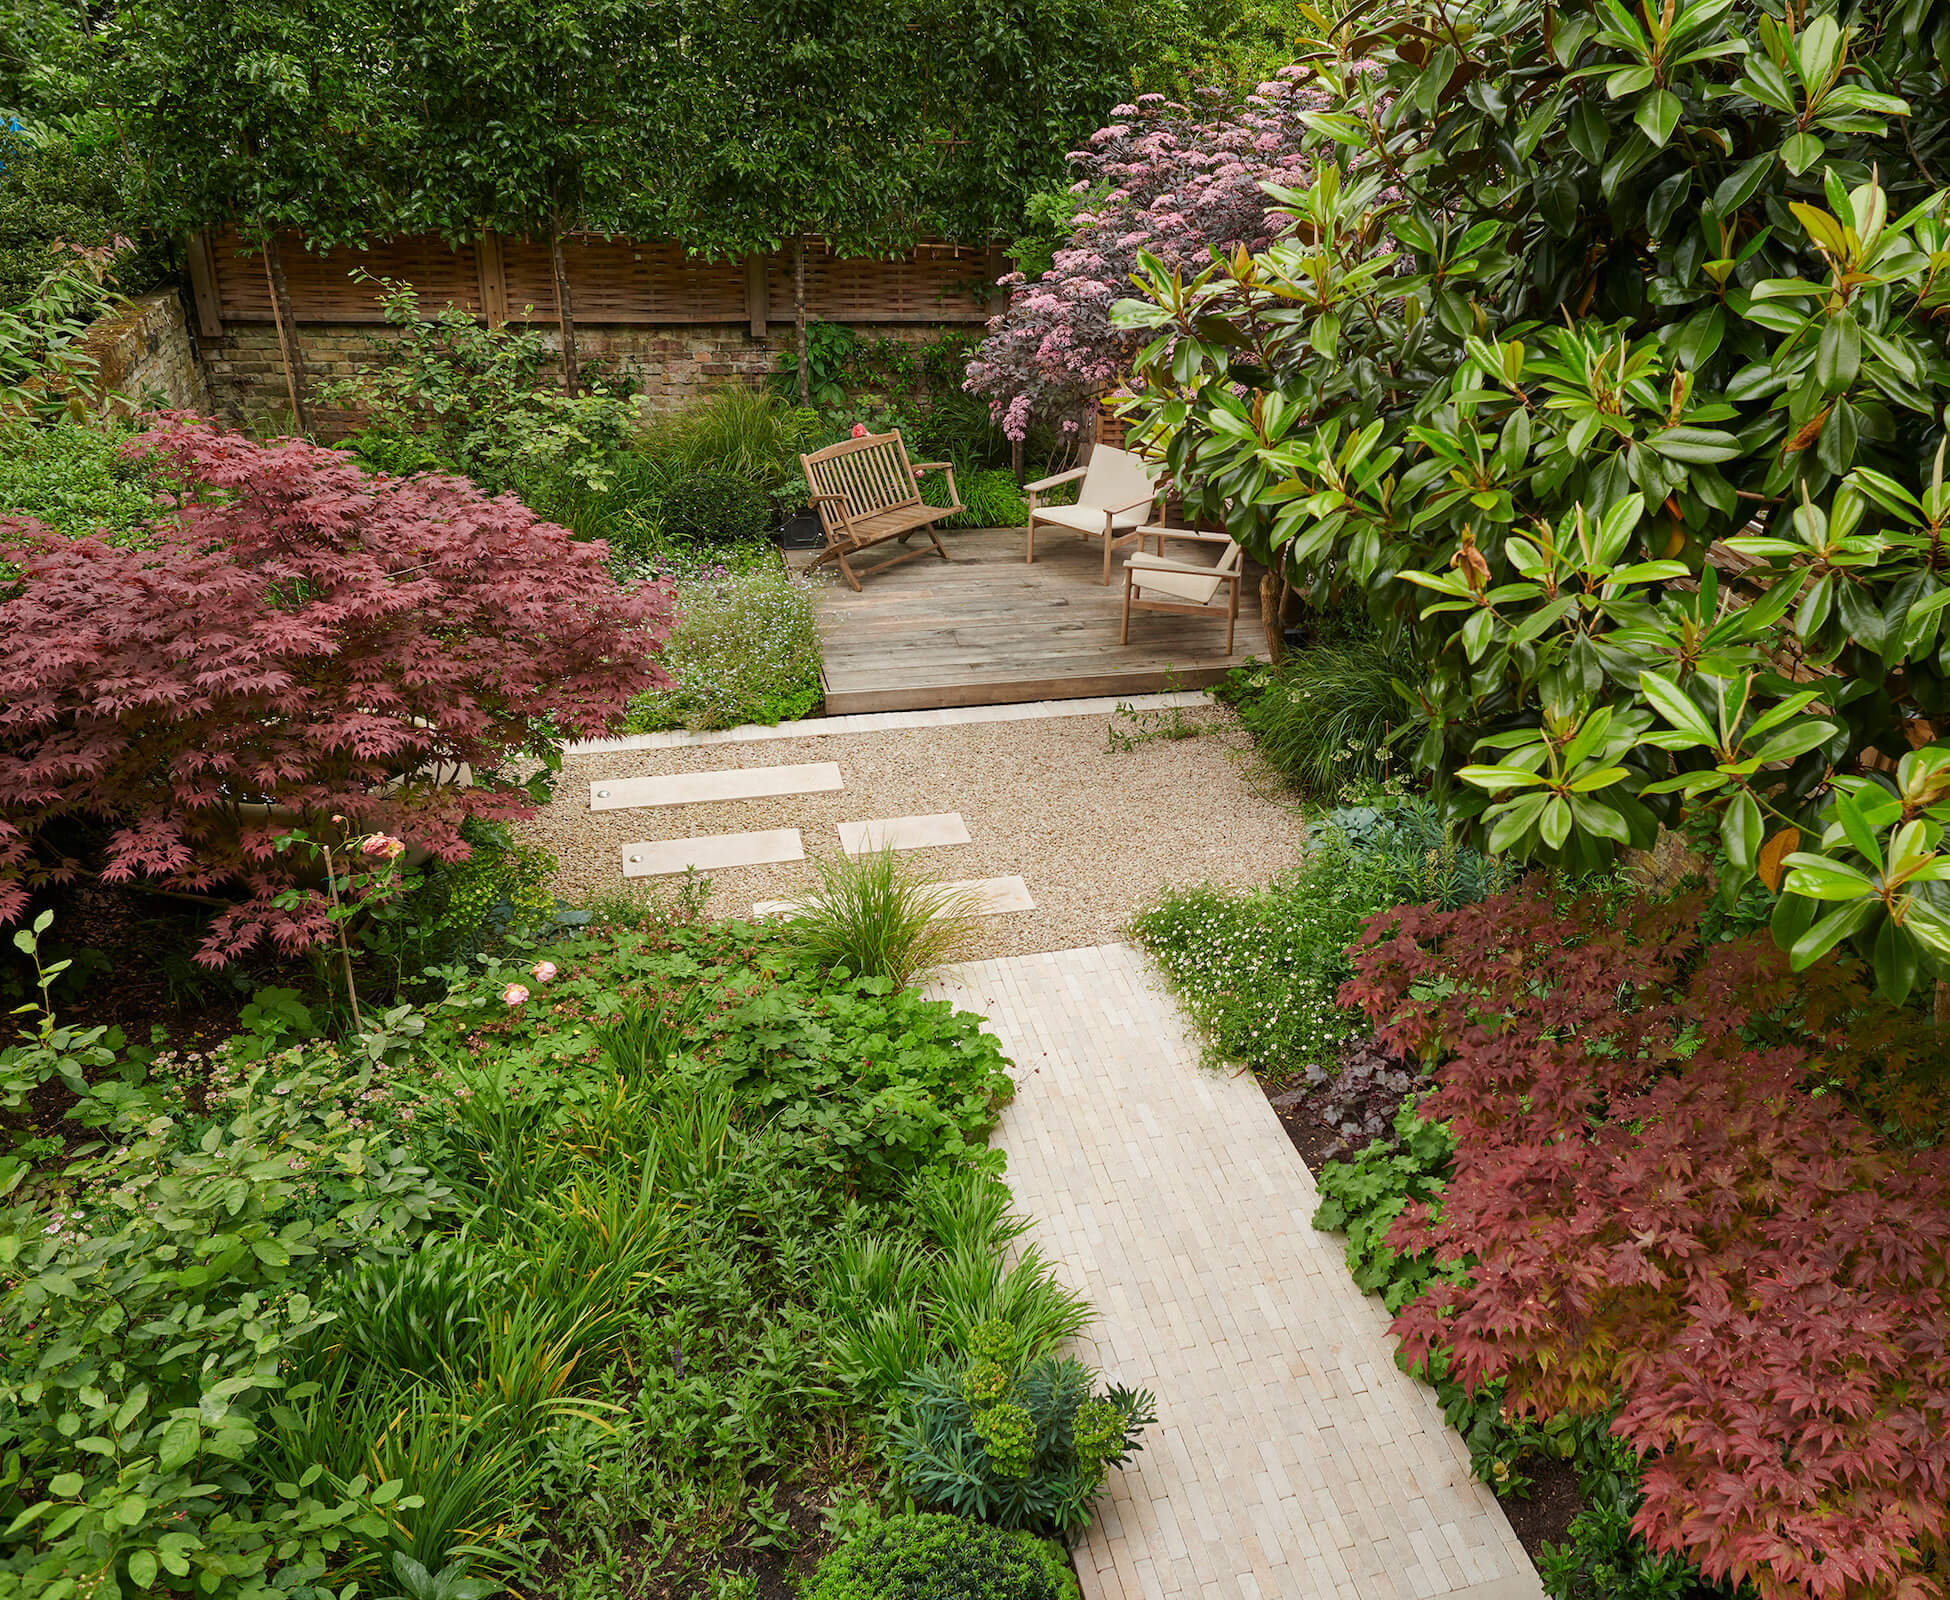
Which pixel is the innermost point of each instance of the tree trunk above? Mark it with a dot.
(288, 346)
(1272, 615)
(799, 317)
(1018, 463)
(565, 312)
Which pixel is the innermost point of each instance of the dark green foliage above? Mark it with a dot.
(58, 193)
(715, 507)
(1022, 1446)
(1603, 1559)
(928, 1557)
(1331, 716)
(1574, 303)
(991, 498)
(1403, 852)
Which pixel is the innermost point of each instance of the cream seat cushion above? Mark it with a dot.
(1090, 519)
(1172, 580)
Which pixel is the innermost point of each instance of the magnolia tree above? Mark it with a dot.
(304, 654)
(1587, 315)
(1165, 180)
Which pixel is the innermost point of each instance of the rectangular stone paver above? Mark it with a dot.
(707, 852)
(1292, 1459)
(989, 897)
(903, 833)
(693, 788)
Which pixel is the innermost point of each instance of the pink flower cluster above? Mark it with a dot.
(1162, 177)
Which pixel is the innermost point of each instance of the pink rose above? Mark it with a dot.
(542, 971)
(859, 430)
(514, 994)
(384, 844)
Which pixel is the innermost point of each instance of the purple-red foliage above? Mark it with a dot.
(1671, 1198)
(1165, 178)
(304, 637)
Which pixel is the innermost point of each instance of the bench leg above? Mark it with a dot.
(939, 548)
(836, 553)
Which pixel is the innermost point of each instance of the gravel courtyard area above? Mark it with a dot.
(1095, 832)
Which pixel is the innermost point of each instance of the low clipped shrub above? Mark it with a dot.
(931, 1557)
(714, 507)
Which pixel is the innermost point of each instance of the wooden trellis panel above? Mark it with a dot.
(936, 284)
(322, 288)
(611, 280)
(622, 281)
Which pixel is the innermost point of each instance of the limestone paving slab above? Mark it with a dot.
(1292, 1459)
(989, 897)
(697, 788)
(904, 833)
(655, 858)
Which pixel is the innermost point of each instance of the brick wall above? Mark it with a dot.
(147, 357)
(670, 364)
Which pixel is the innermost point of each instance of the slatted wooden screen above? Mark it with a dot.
(611, 281)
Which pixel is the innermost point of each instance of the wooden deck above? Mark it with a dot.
(988, 629)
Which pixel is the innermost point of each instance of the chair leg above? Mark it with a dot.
(1125, 636)
(1110, 545)
(939, 548)
(1029, 555)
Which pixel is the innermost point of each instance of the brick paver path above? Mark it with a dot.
(1292, 1459)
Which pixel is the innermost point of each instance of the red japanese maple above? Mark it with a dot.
(302, 643)
(1670, 1199)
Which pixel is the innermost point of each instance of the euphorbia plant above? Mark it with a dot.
(1621, 297)
(301, 642)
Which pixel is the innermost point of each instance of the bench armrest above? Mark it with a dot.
(839, 497)
(1051, 482)
(931, 466)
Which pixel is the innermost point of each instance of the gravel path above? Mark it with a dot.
(1096, 832)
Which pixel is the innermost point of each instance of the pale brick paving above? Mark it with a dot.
(1292, 1458)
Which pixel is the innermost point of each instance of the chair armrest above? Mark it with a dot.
(1051, 482)
(931, 466)
(839, 497)
(1161, 534)
(1132, 506)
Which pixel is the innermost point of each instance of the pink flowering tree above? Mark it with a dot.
(1164, 178)
(302, 653)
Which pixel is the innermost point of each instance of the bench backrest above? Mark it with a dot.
(871, 472)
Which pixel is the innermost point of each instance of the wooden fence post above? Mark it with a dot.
(287, 326)
(757, 295)
(492, 271)
(203, 286)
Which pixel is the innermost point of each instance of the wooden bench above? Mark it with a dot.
(867, 493)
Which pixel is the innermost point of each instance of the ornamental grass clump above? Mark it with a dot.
(876, 917)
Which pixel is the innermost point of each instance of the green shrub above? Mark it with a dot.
(714, 506)
(929, 1557)
(990, 496)
(60, 192)
(875, 916)
(73, 477)
(1330, 716)
(745, 648)
(752, 434)
(1021, 1444)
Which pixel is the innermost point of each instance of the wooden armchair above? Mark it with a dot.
(1189, 588)
(1114, 501)
(867, 492)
